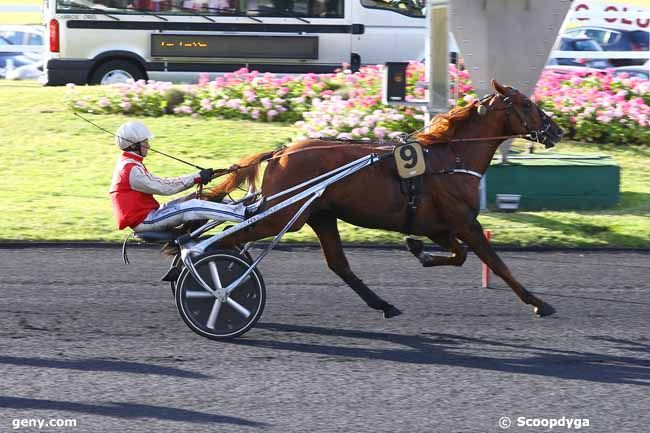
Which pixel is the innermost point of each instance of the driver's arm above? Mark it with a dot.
(148, 183)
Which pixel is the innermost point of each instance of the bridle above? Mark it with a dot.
(542, 134)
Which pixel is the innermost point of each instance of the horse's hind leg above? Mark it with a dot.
(474, 237)
(328, 234)
(445, 240)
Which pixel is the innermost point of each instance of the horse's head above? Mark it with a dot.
(523, 116)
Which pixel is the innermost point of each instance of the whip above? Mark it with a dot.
(132, 142)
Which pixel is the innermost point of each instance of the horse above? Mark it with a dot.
(459, 146)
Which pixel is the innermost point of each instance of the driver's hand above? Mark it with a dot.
(206, 176)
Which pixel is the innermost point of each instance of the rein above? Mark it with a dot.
(496, 137)
(405, 138)
(358, 145)
(361, 144)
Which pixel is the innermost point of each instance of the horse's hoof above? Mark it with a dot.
(415, 246)
(544, 310)
(391, 312)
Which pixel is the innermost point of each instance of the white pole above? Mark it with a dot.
(437, 58)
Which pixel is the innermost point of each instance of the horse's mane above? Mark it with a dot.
(443, 127)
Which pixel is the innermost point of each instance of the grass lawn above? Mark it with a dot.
(57, 171)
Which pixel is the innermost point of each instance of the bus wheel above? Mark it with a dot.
(116, 71)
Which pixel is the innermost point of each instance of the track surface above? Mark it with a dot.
(83, 336)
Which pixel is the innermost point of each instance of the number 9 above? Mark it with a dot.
(409, 155)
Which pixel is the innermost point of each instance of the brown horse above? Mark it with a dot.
(464, 138)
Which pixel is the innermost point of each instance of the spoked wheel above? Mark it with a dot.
(177, 263)
(212, 317)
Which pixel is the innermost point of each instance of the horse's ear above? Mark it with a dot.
(499, 88)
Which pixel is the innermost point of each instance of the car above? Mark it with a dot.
(571, 70)
(615, 40)
(579, 44)
(20, 46)
(641, 71)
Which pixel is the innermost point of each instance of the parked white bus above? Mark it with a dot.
(104, 41)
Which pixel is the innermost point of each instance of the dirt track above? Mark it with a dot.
(86, 337)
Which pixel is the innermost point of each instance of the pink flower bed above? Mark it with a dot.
(599, 108)
(255, 96)
(134, 98)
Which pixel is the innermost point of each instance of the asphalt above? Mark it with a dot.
(84, 337)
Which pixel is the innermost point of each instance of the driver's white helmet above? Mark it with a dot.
(131, 133)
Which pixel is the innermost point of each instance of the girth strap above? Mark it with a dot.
(413, 189)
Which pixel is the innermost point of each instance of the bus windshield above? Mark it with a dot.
(411, 8)
(268, 8)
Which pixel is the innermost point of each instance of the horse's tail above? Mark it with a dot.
(247, 173)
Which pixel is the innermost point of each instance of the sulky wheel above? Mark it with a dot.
(216, 318)
(177, 264)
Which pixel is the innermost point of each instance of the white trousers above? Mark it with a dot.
(177, 212)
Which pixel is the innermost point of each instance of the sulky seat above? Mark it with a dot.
(157, 236)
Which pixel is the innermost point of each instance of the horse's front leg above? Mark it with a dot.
(445, 240)
(326, 229)
(473, 236)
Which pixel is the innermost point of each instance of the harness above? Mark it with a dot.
(412, 186)
(409, 186)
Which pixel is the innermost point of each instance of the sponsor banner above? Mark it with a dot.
(626, 15)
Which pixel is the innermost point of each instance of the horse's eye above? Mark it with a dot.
(528, 104)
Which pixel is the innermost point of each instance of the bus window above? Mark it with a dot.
(212, 7)
(296, 8)
(35, 39)
(267, 8)
(172, 7)
(411, 8)
(14, 37)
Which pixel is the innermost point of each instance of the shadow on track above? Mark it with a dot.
(101, 365)
(447, 349)
(125, 410)
(572, 296)
(634, 346)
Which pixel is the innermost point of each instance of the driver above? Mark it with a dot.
(133, 187)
